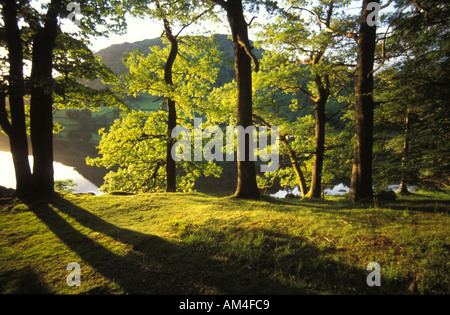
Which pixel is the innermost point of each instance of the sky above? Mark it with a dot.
(139, 29)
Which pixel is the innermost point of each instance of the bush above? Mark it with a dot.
(67, 185)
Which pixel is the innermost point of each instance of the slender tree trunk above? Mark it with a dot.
(403, 181)
(171, 185)
(296, 167)
(16, 130)
(246, 184)
(361, 180)
(316, 175)
(320, 119)
(171, 180)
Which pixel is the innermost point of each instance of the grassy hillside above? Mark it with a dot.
(204, 244)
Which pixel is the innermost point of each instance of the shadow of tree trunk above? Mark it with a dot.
(153, 265)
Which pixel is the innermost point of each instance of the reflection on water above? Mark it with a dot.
(336, 190)
(62, 172)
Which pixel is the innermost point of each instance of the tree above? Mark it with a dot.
(146, 77)
(41, 103)
(36, 40)
(310, 62)
(135, 142)
(15, 128)
(361, 180)
(243, 58)
(412, 116)
(134, 146)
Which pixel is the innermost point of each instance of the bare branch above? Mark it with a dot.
(353, 36)
(386, 5)
(421, 8)
(193, 21)
(250, 23)
(383, 53)
(383, 45)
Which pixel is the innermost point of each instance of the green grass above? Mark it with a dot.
(205, 244)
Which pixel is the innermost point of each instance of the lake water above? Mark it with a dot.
(62, 172)
(336, 190)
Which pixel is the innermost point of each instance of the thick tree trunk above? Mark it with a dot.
(361, 180)
(246, 183)
(41, 104)
(16, 130)
(171, 176)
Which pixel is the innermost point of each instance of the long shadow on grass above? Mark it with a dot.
(154, 266)
(290, 257)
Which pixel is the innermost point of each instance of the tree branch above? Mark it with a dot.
(194, 19)
(386, 5)
(250, 23)
(421, 8)
(353, 36)
(262, 120)
(383, 45)
(383, 53)
(339, 110)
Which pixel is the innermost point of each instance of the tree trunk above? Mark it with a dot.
(171, 176)
(296, 167)
(41, 104)
(403, 181)
(361, 180)
(246, 183)
(171, 180)
(16, 130)
(320, 119)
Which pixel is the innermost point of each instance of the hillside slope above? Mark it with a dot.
(113, 57)
(203, 244)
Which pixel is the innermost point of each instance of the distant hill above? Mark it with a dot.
(113, 56)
